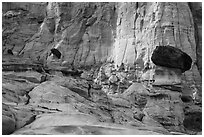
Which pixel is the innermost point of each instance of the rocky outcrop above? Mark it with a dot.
(82, 32)
(77, 124)
(88, 34)
(15, 117)
(66, 98)
(53, 52)
(20, 22)
(196, 8)
(193, 118)
(163, 105)
(157, 24)
(151, 26)
(130, 112)
(8, 121)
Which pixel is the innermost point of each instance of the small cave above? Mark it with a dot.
(10, 52)
(40, 21)
(193, 121)
(186, 99)
(56, 52)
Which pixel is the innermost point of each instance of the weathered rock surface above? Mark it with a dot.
(20, 22)
(16, 86)
(66, 97)
(8, 121)
(111, 44)
(132, 112)
(14, 118)
(92, 33)
(77, 124)
(196, 8)
(164, 106)
(193, 121)
(82, 32)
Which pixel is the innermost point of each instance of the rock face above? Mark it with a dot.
(152, 25)
(62, 103)
(77, 124)
(171, 57)
(8, 121)
(88, 34)
(196, 8)
(141, 27)
(164, 106)
(92, 33)
(20, 22)
(82, 32)
(142, 59)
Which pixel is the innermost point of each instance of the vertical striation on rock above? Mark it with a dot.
(143, 26)
(156, 47)
(196, 9)
(20, 22)
(83, 32)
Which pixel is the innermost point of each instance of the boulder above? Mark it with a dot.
(136, 88)
(23, 116)
(14, 118)
(137, 95)
(8, 125)
(48, 92)
(139, 115)
(171, 57)
(8, 120)
(81, 124)
(113, 79)
(16, 85)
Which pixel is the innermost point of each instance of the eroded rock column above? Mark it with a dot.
(141, 27)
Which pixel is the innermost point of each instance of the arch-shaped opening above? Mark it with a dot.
(9, 51)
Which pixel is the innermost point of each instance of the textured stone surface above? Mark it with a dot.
(14, 118)
(83, 33)
(155, 24)
(166, 76)
(196, 8)
(164, 106)
(90, 33)
(97, 38)
(18, 30)
(8, 120)
(152, 25)
(104, 114)
(193, 121)
(16, 86)
(78, 124)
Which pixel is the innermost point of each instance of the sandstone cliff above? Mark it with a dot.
(89, 34)
(101, 36)
(93, 33)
